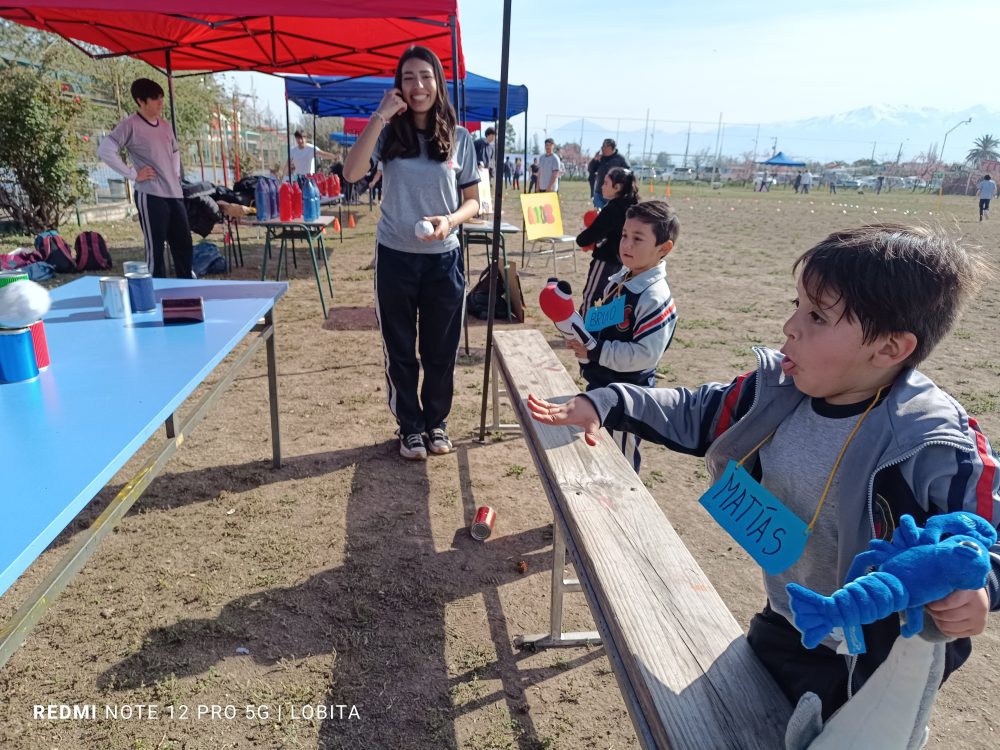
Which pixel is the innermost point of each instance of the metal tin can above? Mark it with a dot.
(17, 355)
(9, 277)
(482, 524)
(135, 266)
(140, 292)
(41, 345)
(114, 296)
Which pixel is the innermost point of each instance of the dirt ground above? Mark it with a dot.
(344, 589)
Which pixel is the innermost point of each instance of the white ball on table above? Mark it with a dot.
(23, 303)
(423, 228)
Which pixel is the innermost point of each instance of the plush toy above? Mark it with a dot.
(556, 302)
(22, 304)
(916, 568)
(589, 217)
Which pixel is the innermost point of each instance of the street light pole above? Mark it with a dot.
(943, 144)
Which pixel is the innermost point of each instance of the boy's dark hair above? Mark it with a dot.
(298, 134)
(892, 279)
(660, 216)
(144, 89)
(550, 140)
(489, 131)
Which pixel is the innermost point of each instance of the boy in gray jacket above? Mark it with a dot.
(872, 303)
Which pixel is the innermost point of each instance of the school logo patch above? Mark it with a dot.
(626, 324)
(885, 525)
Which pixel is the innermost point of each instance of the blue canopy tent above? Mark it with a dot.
(344, 139)
(780, 160)
(324, 96)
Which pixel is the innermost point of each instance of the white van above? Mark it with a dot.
(682, 174)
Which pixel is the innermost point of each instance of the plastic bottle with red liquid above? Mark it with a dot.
(336, 185)
(296, 200)
(320, 184)
(285, 201)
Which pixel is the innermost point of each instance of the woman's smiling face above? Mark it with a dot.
(418, 85)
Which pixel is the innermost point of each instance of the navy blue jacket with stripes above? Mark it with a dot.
(629, 352)
(918, 452)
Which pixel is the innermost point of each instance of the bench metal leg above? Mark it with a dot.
(556, 637)
(497, 425)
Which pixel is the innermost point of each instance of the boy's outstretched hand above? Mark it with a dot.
(578, 411)
(962, 613)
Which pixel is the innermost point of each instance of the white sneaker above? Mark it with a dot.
(412, 447)
(438, 442)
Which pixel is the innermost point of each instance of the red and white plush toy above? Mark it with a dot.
(556, 302)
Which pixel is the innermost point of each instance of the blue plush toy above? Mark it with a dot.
(916, 568)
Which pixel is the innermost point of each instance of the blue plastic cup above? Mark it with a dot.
(17, 355)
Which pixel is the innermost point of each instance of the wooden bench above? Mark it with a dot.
(683, 664)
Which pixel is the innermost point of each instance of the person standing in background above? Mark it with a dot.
(985, 190)
(151, 146)
(304, 155)
(518, 172)
(549, 168)
(533, 181)
(508, 172)
(609, 157)
(486, 151)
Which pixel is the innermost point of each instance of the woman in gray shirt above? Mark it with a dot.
(430, 184)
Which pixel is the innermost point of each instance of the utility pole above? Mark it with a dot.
(687, 146)
(774, 145)
(873, 150)
(645, 135)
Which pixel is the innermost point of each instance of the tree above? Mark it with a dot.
(700, 158)
(535, 149)
(663, 160)
(510, 138)
(985, 148)
(39, 148)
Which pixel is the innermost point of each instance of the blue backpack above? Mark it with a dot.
(206, 259)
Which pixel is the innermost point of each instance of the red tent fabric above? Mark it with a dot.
(323, 37)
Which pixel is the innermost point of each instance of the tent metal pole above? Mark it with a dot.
(497, 208)
(288, 132)
(315, 110)
(454, 65)
(173, 111)
(524, 178)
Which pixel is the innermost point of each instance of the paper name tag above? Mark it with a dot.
(759, 522)
(611, 314)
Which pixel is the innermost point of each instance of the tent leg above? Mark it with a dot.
(173, 112)
(497, 208)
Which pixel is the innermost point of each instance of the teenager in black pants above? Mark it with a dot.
(428, 174)
(151, 146)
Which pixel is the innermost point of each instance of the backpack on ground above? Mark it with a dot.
(203, 213)
(91, 252)
(206, 259)
(478, 301)
(53, 250)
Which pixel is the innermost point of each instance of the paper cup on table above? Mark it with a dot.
(114, 297)
(140, 292)
(17, 355)
(41, 345)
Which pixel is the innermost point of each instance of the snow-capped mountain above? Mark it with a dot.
(886, 131)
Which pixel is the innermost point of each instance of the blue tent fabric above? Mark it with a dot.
(780, 160)
(358, 97)
(344, 139)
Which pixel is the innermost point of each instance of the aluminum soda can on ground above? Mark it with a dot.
(482, 524)
(17, 355)
(140, 292)
(114, 296)
(134, 266)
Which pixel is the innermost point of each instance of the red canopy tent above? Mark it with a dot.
(321, 37)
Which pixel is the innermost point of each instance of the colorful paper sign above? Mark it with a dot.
(542, 217)
(609, 314)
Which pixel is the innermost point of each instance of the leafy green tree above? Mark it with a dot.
(40, 176)
(535, 148)
(985, 147)
(510, 139)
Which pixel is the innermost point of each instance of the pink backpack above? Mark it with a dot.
(91, 252)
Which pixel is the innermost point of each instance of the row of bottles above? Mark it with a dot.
(294, 200)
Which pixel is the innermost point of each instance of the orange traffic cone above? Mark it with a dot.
(650, 187)
(336, 224)
(666, 192)
(351, 223)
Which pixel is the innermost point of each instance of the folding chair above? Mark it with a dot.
(544, 229)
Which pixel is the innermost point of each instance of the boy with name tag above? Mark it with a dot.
(829, 441)
(633, 322)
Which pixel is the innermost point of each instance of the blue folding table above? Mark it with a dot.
(111, 385)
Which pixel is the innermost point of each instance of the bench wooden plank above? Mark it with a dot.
(682, 654)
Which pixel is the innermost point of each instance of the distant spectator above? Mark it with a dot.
(832, 185)
(304, 155)
(878, 184)
(765, 184)
(610, 157)
(592, 168)
(518, 173)
(798, 181)
(986, 190)
(807, 181)
(533, 182)
(550, 166)
(486, 151)
(508, 172)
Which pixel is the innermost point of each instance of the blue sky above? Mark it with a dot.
(753, 62)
